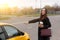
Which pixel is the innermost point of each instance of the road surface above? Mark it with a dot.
(32, 29)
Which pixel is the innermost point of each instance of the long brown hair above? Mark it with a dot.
(43, 16)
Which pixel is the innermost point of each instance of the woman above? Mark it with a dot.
(42, 20)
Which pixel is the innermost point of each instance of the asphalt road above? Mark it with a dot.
(32, 29)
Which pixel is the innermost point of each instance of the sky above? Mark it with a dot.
(28, 3)
(49, 2)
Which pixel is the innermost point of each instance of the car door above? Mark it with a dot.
(2, 34)
(13, 33)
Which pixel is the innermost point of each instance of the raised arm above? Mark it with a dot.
(34, 20)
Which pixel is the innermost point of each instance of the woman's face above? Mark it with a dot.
(43, 12)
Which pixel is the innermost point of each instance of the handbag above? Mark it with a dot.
(46, 32)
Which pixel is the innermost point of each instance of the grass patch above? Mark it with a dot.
(52, 14)
(37, 15)
(4, 18)
(34, 15)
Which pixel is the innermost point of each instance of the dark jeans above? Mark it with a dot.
(40, 37)
(45, 38)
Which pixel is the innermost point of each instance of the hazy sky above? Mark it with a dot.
(49, 2)
(28, 3)
(36, 3)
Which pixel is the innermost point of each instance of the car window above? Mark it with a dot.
(2, 36)
(0, 30)
(11, 31)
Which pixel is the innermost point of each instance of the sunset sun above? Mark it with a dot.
(18, 3)
(5, 3)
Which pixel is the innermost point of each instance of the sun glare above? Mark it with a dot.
(18, 3)
(6, 3)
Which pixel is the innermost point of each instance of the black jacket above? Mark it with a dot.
(46, 22)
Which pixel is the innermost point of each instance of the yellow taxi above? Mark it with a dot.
(9, 32)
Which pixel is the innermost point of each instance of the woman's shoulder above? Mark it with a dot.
(46, 18)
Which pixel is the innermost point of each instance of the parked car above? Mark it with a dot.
(9, 32)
